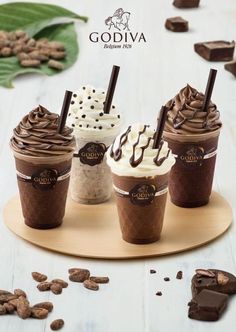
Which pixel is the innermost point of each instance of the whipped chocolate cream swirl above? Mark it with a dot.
(132, 153)
(36, 135)
(186, 115)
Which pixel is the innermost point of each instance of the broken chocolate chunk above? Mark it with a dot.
(176, 24)
(218, 50)
(231, 67)
(207, 305)
(179, 275)
(186, 3)
(223, 282)
(152, 271)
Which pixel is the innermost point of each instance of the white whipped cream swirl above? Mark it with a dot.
(147, 167)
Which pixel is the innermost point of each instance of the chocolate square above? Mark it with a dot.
(176, 24)
(186, 3)
(218, 50)
(207, 305)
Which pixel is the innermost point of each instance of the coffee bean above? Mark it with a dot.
(89, 284)
(57, 324)
(39, 276)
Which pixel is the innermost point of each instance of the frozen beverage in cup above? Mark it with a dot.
(94, 132)
(140, 179)
(192, 134)
(43, 161)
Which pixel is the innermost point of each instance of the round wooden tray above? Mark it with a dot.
(93, 230)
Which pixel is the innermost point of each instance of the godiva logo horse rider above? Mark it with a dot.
(192, 156)
(143, 194)
(119, 34)
(119, 20)
(45, 179)
(92, 153)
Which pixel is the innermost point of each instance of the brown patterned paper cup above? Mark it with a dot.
(91, 181)
(141, 205)
(43, 185)
(191, 177)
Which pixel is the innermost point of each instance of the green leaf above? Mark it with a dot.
(65, 33)
(32, 17)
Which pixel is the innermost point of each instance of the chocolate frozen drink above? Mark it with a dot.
(140, 178)
(94, 132)
(43, 161)
(192, 133)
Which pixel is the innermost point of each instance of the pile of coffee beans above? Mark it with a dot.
(31, 52)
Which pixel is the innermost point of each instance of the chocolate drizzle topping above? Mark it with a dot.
(132, 161)
(159, 161)
(117, 154)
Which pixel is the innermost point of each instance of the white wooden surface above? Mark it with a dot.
(149, 76)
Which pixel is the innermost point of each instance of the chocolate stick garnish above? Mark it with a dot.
(64, 111)
(209, 89)
(111, 89)
(160, 127)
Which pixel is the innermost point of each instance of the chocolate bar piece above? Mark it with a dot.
(231, 67)
(218, 50)
(176, 24)
(216, 280)
(186, 3)
(207, 305)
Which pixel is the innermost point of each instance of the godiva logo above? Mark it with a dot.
(118, 34)
(192, 156)
(92, 153)
(142, 194)
(45, 179)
